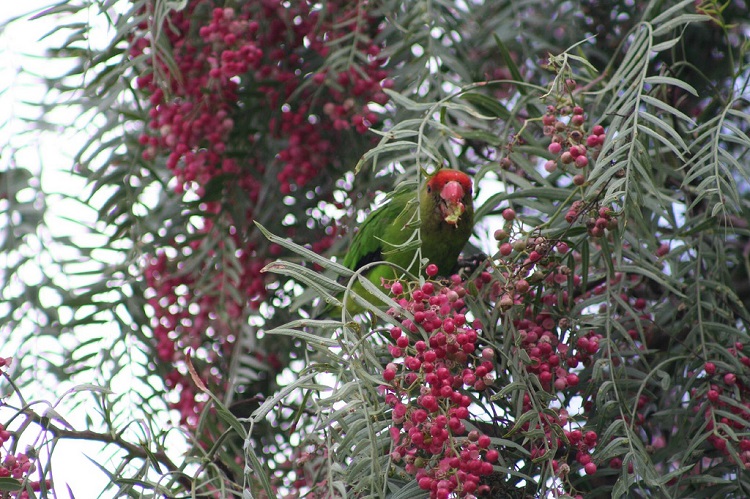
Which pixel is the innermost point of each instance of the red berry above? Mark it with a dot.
(431, 270)
(425, 483)
(713, 395)
(590, 437)
(484, 441)
(574, 436)
(396, 333)
(522, 286)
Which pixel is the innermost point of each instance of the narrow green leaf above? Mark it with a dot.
(307, 254)
(510, 63)
(668, 80)
(408, 104)
(487, 105)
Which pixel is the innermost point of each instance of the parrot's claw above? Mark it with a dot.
(471, 263)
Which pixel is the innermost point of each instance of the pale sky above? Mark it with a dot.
(20, 48)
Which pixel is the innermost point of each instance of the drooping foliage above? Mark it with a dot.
(592, 342)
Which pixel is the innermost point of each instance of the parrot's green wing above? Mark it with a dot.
(367, 245)
(390, 234)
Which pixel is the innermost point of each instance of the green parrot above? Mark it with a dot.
(446, 215)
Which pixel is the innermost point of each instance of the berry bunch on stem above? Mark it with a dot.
(246, 108)
(438, 370)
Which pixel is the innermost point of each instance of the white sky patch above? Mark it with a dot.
(23, 65)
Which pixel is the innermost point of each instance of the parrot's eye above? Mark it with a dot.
(429, 189)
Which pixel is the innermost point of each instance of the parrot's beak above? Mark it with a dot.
(452, 206)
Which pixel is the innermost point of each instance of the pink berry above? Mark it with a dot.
(483, 441)
(574, 436)
(590, 437)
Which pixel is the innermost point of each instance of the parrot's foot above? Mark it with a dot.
(471, 263)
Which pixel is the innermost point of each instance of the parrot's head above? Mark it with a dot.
(450, 192)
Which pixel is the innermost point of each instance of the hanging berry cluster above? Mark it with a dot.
(253, 71)
(438, 364)
(253, 94)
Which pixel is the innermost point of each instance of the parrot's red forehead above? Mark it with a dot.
(442, 177)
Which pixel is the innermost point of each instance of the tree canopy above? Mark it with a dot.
(592, 340)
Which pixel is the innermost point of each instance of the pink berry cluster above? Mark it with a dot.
(598, 219)
(19, 466)
(273, 53)
(583, 444)
(571, 144)
(249, 94)
(532, 284)
(724, 402)
(554, 363)
(437, 362)
(550, 359)
(525, 262)
(180, 327)
(191, 119)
